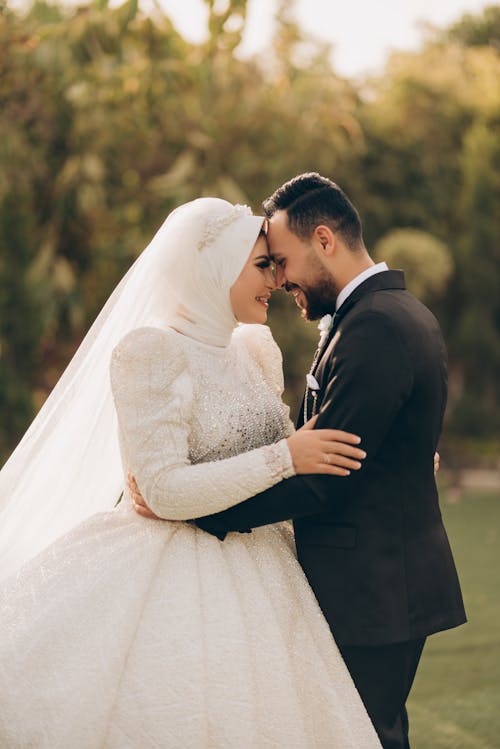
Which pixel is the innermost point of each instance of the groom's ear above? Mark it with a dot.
(325, 240)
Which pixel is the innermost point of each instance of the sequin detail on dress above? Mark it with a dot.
(129, 633)
(175, 452)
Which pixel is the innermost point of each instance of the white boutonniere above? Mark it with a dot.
(312, 382)
(324, 327)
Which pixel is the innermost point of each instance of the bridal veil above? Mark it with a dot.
(67, 466)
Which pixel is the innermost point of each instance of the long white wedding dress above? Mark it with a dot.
(129, 633)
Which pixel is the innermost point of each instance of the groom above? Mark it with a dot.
(372, 544)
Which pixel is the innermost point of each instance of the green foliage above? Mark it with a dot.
(431, 162)
(109, 119)
(478, 31)
(427, 262)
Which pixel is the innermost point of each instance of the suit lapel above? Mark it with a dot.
(389, 279)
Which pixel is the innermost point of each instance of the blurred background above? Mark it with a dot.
(111, 115)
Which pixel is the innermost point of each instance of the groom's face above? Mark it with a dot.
(299, 269)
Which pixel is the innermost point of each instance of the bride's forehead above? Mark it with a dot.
(260, 248)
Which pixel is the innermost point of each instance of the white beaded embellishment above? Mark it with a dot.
(279, 461)
(216, 224)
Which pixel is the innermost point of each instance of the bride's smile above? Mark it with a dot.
(251, 291)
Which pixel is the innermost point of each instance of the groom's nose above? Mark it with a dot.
(271, 279)
(280, 277)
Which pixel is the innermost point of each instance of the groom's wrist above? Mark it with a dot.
(212, 526)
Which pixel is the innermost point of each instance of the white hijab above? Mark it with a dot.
(67, 466)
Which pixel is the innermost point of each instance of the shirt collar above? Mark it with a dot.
(349, 288)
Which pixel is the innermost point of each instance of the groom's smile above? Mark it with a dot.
(298, 269)
(298, 295)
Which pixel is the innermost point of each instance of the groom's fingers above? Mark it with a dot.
(140, 505)
(145, 512)
(134, 490)
(132, 484)
(436, 463)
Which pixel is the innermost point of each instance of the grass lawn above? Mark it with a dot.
(455, 701)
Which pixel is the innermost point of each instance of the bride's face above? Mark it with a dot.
(251, 291)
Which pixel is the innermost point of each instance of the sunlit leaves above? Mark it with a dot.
(427, 262)
(109, 119)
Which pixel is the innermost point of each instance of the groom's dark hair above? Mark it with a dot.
(310, 200)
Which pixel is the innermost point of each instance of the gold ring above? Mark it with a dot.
(326, 459)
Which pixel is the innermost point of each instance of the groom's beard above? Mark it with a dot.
(319, 299)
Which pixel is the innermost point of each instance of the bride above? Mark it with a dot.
(126, 633)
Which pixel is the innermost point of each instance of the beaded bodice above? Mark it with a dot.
(235, 407)
(201, 427)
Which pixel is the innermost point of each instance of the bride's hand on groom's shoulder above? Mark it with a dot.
(330, 451)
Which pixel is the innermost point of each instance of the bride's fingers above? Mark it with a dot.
(339, 448)
(340, 461)
(338, 435)
(310, 424)
(332, 470)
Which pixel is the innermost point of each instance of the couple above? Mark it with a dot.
(129, 633)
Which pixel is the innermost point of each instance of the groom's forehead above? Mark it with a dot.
(278, 233)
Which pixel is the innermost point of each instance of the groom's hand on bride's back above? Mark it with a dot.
(330, 451)
(140, 505)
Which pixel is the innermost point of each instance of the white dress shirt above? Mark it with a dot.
(349, 288)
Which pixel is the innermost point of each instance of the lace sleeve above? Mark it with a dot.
(260, 343)
(152, 390)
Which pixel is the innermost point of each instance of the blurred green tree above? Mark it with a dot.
(481, 30)
(109, 119)
(427, 261)
(431, 163)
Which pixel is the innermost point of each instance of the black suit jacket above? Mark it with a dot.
(373, 544)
